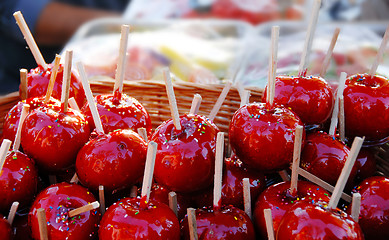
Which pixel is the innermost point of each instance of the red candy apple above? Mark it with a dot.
(53, 138)
(366, 108)
(227, 223)
(115, 160)
(374, 214)
(38, 81)
(185, 158)
(324, 156)
(263, 139)
(278, 198)
(316, 222)
(58, 200)
(311, 98)
(5, 229)
(119, 111)
(131, 219)
(18, 180)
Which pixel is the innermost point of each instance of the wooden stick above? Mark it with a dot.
(247, 197)
(143, 133)
(327, 59)
(12, 212)
(284, 175)
(89, 97)
(335, 112)
(296, 159)
(67, 73)
(245, 98)
(120, 70)
(85, 208)
(23, 115)
(102, 199)
(344, 175)
(3, 153)
(356, 206)
(42, 224)
(74, 179)
(53, 76)
(217, 190)
(134, 191)
(309, 37)
(73, 104)
(342, 124)
(149, 170)
(30, 39)
(220, 100)
(196, 102)
(192, 223)
(173, 202)
(52, 179)
(380, 53)
(321, 183)
(23, 84)
(271, 78)
(172, 99)
(269, 224)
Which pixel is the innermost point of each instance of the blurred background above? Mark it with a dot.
(202, 41)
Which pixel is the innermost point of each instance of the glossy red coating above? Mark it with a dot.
(53, 138)
(278, 198)
(263, 139)
(366, 165)
(366, 108)
(324, 156)
(18, 180)
(186, 158)
(38, 81)
(228, 223)
(5, 229)
(311, 98)
(127, 220)
(11, 121)
(119, 111)
(58, 200)
(20, 228)
(115, 160)
(232, 186)
(317, 222)
(374, 214)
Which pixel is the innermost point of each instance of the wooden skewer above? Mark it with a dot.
(3, 153)
(380, 53)
(53, 76)
(247, 197)
(342, 124)
(67, 73)
(102, 199)
(23, 115)
(356, 206)
(74, 179)
(196, 102)
(309, 38)
(23, 84)
(173, 202)
(217, 190)
(143, 133)
(85, 208)
(30, 39)
(335, 112)
(245, 99)
(89, 97)
(342, 180)
(327, 59)
(12, 212)
(272, 67)
(149, 170)
(42, 224)
(269, 224)
(220, 100)
(52, 179)
(296, 159)
(119, 77)
(134, 191)
(172, 99)
(192, 223)
(73, 104)
(284, 175)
